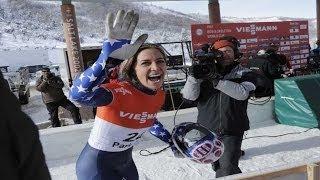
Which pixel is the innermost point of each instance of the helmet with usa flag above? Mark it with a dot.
(197, 143)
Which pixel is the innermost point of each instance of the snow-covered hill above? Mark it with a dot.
(25, 24)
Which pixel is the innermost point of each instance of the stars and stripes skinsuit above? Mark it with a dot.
(124, 113)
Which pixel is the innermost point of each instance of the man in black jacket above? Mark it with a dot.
(21, 151)
(270, 64)
(222, 102)
(50, 87)
(266, 64)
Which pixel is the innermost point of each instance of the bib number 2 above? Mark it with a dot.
(133, 137)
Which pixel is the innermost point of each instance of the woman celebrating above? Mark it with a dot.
(126, 107)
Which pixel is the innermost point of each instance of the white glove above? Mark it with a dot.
(122, 27)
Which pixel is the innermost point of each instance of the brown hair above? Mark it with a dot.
(128, 72)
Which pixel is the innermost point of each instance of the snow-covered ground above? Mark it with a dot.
(62, 147)
(36, 108)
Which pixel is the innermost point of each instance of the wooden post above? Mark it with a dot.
(214, 11)
(70, 31)
(318, 18)
(313, 172)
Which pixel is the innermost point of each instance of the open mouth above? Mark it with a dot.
(155, 77)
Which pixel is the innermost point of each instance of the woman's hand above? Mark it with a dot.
(121, 28)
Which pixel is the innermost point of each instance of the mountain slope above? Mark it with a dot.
(25, 24)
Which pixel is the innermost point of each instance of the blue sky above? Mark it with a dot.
(248, 8)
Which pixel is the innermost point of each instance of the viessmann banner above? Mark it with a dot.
(292, 37)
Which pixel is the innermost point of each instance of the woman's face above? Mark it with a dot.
(150, 68)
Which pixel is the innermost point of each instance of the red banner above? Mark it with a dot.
(291, 36)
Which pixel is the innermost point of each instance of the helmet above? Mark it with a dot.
(197, 143)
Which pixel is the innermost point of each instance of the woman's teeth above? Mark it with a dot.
(154, 78)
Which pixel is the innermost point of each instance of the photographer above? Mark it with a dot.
(221, 91)
(50, 87)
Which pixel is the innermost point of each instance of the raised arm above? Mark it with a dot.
(235, 84)
(119, 30)
(86, 87)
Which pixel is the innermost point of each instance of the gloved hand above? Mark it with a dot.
(121, 28)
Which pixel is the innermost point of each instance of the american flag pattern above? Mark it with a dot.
(160, 132)
(85, 88)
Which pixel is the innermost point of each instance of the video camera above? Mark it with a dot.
(205, 63)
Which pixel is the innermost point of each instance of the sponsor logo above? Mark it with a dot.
(303, 26)
(294, 37)
(294, 23)
(141, 117)
(202, 150)
(253, 29)
(294, 42)
(284, 43)
(199, 32)
(123, 91)
(253, 40)
(263, 40)
(294, 30)
(304, 36)
(285, 48)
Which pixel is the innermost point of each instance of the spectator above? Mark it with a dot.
(277, 58)
(266, 65)
(21, 152)
(50, 87)
(316, 51)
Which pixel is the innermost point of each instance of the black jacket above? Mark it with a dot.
(268, 67)
(220, 112)
(21, 151)
(223, 108)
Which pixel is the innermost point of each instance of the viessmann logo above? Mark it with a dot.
(141, 117)
(253, 29)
